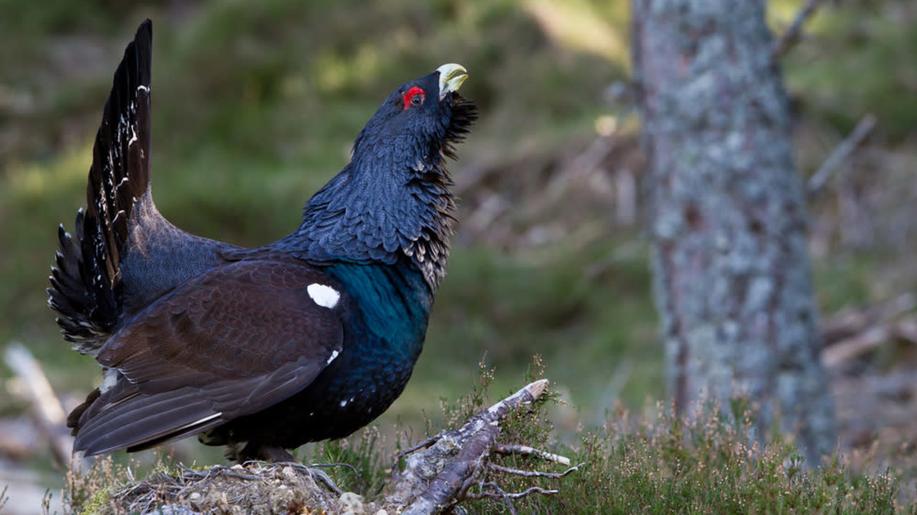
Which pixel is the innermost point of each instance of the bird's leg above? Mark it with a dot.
(258, 452)
(254, 451)
(276, 454)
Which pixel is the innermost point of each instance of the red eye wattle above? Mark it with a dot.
(413, 97)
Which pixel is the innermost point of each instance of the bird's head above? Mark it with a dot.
(394, 198)
(419, 120)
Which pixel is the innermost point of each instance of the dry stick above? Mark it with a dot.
(525, 450)
(414, 448)
(793, 33)
(851, 322)
(45, 405)
(841, 152)
(473, 442)
(583, 165)
(533, 473)
(501, 494)
(871, 338)
(850, 348)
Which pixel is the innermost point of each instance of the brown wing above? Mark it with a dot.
(233, 342)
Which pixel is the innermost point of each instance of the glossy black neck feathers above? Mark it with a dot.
(393, 198)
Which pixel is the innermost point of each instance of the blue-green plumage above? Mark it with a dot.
(385, 323)
(392, 302)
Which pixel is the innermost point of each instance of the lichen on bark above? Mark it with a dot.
(732, 276)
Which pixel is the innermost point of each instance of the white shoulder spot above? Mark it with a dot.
(332, 357)
(323, 295)
(109, 379)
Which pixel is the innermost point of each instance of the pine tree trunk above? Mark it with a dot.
(732, 275)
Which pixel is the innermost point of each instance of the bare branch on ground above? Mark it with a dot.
(45, 406)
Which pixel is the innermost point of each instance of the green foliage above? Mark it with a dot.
(357, 463)
(90, 492)
(707, 465)
(657, 463)
(662, 464)
(860, 60)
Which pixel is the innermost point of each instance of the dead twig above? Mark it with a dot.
(499, 493)
(533, 473)
(794, 32)
(851, 348)
(850, 322)
(840, 153)
(582, 166)
(46, 407)
(525, 450)
(846, 350)
(414, 448)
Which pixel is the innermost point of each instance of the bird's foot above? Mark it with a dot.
(259, 452)
(278, 455)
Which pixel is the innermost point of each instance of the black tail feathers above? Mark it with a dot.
(85, 279)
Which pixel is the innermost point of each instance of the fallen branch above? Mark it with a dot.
(582, 166)
(858, 345)
(438, 477)
(794, 32)
(841, 153)
(850, 322)
(846, 350)
(45, 406)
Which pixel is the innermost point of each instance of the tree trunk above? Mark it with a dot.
(728, 223)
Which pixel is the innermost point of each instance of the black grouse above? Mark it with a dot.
(307, 338)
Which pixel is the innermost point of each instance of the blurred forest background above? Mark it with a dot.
(257, 103)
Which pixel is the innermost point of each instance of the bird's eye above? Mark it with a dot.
(413, 97)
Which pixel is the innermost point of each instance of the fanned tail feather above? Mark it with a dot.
(85, 279)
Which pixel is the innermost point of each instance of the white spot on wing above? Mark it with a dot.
(334, 355)
(344, 402)
(143, 88)
(109, 379)
(323, 295)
